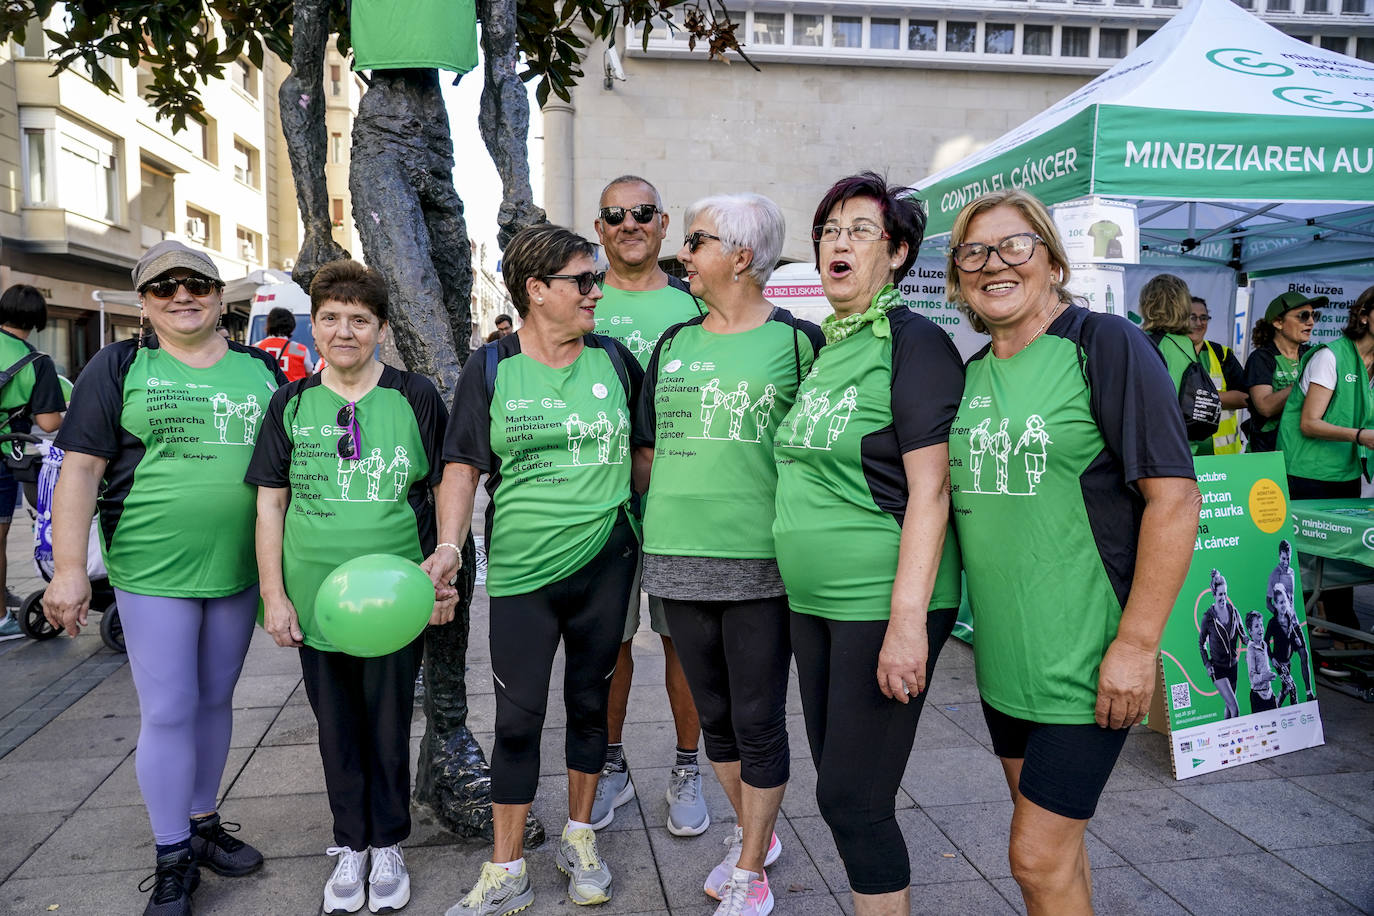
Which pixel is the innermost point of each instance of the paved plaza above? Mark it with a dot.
(1294, 834)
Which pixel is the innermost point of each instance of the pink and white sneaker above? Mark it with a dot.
(722, 873)
(745, 894)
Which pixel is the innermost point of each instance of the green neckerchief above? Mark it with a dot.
(837, 329)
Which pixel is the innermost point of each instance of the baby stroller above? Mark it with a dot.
(37, 472)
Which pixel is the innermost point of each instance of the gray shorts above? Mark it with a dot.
(657, 621)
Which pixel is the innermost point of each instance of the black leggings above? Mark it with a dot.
(587, 611)
(860, 740)
(735, 655)
(1339, 603)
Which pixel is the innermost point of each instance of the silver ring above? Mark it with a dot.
(905, 689)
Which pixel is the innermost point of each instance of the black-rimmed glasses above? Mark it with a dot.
(350, 445)
(167, 288)
(695, 240)
(1199, 319)
(586, 281)
(859, 232)
(614, 216)
(1305, 314)
(1014, 250)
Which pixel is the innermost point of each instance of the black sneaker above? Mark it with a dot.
(176, 877)
(221, 853)
(12, 601)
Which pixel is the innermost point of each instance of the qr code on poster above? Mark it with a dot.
(1181, 696)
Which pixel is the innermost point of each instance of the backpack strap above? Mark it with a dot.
(489, 360)
(613, 354)
(7, 375)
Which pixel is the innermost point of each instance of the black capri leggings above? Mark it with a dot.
(587, 611)
(860, 740)
(735, 655)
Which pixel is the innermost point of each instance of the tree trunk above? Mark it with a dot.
(505, 119)
(301, 100)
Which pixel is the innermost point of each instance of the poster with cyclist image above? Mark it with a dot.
(1238, 667)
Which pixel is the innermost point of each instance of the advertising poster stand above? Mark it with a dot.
(1236, 669)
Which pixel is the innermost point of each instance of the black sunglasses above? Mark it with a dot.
(1306, 314)
(585, 281)
(614, 216)
(696, 239)
(351, 442)
(167, 288)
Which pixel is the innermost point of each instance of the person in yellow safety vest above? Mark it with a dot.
(1229, 377)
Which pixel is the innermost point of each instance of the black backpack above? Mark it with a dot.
(1197, 397)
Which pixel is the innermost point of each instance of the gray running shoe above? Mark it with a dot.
(221, 853)
(589, 880)
(496, 893)
(613, 789)
(687, 815)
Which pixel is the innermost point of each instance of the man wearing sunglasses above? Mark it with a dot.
(639, 302)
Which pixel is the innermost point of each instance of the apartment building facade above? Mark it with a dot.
(903, 87)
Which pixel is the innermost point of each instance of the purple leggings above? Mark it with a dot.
(185, 654)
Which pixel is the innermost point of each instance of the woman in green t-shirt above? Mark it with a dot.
(1076, 528)
(166, 422)
(862, 512)
(545, 414)
(344, 468)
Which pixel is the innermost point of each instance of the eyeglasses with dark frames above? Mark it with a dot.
(695, 240)
(585, 281)
(643, 213)
(1305, 314)
(859, 232)
(1199, 319)
(350, 446)
(167, 288)
(1014, 250)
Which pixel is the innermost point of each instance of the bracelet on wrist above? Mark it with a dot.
(454, 547)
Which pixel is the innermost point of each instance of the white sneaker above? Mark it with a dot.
(345, 891)
(388, 885)
(722, 874)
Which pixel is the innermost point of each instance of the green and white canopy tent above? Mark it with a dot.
(1240, 145)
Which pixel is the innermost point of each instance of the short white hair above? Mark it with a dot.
(745, 221)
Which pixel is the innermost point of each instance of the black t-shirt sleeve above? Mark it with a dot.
(432, 417)
(1232, 371)
(93, 422)
(927, 382)
(46, 396)
(270, 465)
(642, 430)
(1259, 368)
(1134, 400)
(468, 437)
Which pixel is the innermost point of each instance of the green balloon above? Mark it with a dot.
(374, 604)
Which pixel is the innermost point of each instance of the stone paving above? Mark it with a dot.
(1294, 834)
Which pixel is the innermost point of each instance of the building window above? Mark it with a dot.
(335, 80)
(1112, 42)
(1315, 6)
(198, 226)
(336, 211)
(1335, 43)
(999, 39)
(156, 198)
(1143, 35)
(961, 36)
(885, 34)
(1364, 49)
(336, 149)
(245, 163)
(1244, 4)
(1074, 41)
(244, 76)
(1037, 39)
(808, 30)
(769, 28)
(922, 35)
(1279, 6)
(88, 175)
(1352, 6)
(247, 244)
(846, 32)
(1169, 3)
(37, 188)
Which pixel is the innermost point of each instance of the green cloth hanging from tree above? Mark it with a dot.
(395, 34)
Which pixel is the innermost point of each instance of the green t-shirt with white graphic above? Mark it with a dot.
(710, 405)
(1044, 456)
(638, 318)
(176, 516)
(890, 388)
(556, 446)
(344, 508)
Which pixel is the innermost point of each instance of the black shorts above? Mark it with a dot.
(1065, 766)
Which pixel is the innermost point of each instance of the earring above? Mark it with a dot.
(894, 266)
(140, 329)
(736, 278)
